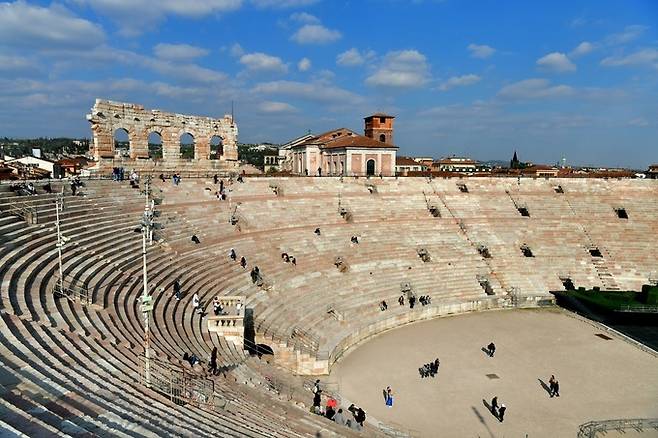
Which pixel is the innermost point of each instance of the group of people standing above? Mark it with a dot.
(429, 369)
(288, 258)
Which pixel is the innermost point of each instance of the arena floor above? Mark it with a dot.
(599, 378)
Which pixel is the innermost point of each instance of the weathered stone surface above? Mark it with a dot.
(108, 116)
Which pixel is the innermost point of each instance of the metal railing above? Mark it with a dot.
(181, 387)
(592, 428)
(73, 291)
(638, 309)
(24, 210)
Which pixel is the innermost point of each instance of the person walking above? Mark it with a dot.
(196, 303)
(492, 349)
(551, 386)
(389, 397)
(494, 405)
(556, 388)
(501, 412)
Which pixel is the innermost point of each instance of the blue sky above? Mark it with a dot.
(477, 78)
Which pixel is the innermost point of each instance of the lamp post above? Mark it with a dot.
(147, 300)
(59, 204)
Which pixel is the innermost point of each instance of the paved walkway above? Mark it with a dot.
(599, 379)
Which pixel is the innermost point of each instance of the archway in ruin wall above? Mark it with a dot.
(107, 116)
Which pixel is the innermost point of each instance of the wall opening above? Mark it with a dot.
(382, 138)
(621, 213)
(527, 252)
(523, 211)
(121, 142)
(187, 146)
(568, 283)
(595, 252)
(155, 145)
(216, 147)
(370, 167)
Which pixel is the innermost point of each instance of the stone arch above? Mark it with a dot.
(216, 147)
(382, 138)
(155, 145)
(121, 141)
(371, 167)
(187, 145)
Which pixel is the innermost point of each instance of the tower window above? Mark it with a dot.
(382, 138)
(382, 120)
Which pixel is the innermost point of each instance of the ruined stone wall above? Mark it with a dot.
(107, 116)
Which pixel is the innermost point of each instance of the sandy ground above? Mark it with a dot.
(599, 379)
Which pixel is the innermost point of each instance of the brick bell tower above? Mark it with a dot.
(379, 127)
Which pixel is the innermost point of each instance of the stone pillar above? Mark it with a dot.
(139, 144)
(202, 148)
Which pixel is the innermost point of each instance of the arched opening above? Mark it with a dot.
(382, 138)
(155, 145)
(216, 147)
(370, 167)
(187, 146)
(121, 142)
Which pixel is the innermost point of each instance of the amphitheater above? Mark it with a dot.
(73, 360)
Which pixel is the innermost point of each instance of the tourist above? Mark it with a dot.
(339, 418)
(74, 187)
(383, 306)
(196, 302)
(556, 389)
(232, 255)
(360, 415)
(162, 177)
(501, 412)
(293, 261)
(238, 307)
(239, 179)
(412, 301)
(316, 386)
(285, 257)
(491, 349)
(317, 231)
(316, 401)
(221, 186)
(319, 171)
(217, 306)
(215, 179)
(195, 239)
(212, 364)
(401, 300)
(243, 262)
(494, 405)
(389, 398)
(177, 290)
(329, 412)
(354, 239)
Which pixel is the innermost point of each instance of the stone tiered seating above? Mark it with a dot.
(73, 369)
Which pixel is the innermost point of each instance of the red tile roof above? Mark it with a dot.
(406, 161)
(344, 138)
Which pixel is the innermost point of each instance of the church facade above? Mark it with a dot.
(343, 152)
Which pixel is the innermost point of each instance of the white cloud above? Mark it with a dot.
(18, 64)
(480, 51)
(629, 34)
(459, 81)
(556, 62)
(304, 64)
(179, 52)
(582, 49)
(51, 28)
(353, 57)
(315, 34)
(321, 92)
(282, 4)
(304, 17)
(134, 17)
(401, 69)
(534, 89)
(276, 107)
(236, 50)
(639, 122)
(262, 62)
(643, 57)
